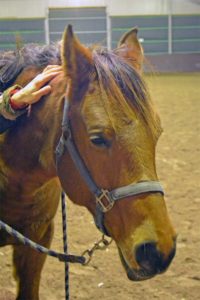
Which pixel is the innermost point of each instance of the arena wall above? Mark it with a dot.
(168, 30)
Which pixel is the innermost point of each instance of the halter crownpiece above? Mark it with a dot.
(105, 199)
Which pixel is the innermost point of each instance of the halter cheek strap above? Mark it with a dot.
(104, 199)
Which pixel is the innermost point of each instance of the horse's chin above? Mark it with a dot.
(134, 275)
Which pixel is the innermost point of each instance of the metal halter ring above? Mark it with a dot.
(104, 200)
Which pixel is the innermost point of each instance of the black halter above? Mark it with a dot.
(104, 199)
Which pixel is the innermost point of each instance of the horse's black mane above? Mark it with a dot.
(13, 62)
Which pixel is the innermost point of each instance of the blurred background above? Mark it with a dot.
(168, 29)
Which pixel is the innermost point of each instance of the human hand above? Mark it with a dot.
(34, 90)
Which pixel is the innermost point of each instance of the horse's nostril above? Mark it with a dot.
(151, 259)
(148, 257)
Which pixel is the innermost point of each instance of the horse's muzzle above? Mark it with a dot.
(150, 260)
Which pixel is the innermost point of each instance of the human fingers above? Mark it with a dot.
(38, 94)
(51, 68)
(43, 78)
(29, 95)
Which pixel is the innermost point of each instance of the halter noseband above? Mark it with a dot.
(104, 199)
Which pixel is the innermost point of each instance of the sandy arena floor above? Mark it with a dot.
(178, 163)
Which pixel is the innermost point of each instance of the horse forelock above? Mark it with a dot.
(125, 86)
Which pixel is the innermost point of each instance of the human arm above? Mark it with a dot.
(15, 100)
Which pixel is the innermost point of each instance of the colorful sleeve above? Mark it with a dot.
(5, 108)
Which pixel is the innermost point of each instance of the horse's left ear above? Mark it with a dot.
(130, 48)
(76, 61)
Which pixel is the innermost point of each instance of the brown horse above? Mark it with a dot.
(115, 129)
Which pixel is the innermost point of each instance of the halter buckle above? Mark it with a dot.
(105, 201)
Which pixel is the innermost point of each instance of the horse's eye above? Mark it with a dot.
(99, 141)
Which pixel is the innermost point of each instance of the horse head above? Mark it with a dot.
(115, 128)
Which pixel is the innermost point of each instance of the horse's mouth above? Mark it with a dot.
(135, 275)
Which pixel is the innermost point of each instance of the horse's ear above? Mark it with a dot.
(130, 48)
(76, 60)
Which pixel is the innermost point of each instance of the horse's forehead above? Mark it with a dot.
(93, 108)
(99, 109)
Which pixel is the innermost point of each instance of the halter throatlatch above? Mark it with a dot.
(105, 199)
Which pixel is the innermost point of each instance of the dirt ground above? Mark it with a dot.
(178, 164)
